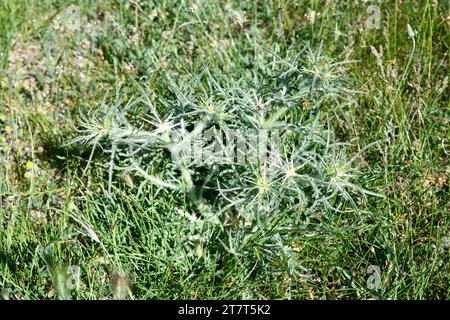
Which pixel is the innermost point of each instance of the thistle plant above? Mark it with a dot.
(237, 150)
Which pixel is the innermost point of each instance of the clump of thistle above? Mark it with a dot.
(280, 173)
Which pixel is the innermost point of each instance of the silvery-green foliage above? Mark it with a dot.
(247, 206)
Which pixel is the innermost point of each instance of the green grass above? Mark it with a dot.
(52, 73)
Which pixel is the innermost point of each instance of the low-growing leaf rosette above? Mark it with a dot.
(251, 160)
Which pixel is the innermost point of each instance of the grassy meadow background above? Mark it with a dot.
(60, 59)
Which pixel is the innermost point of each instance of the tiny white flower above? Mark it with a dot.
(310, 16)
(411, 33)
(153, 14)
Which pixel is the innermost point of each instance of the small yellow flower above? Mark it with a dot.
(2, 139)
(305, 105)
(29, 165)
(7, 149)
(7, 128)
